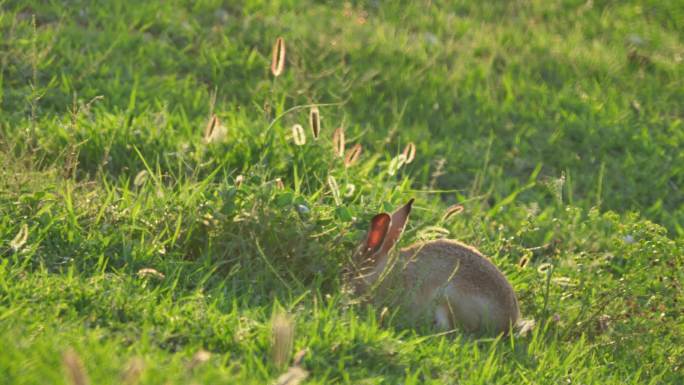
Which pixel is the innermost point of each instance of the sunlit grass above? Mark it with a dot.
(172, 212)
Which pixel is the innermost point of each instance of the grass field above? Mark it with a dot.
(129, 242)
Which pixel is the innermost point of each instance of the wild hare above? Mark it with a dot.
(442, 281)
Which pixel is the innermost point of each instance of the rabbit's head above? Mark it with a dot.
(372, 255)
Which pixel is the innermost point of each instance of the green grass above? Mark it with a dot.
(557, 125)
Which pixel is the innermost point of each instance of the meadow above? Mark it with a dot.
(159, 214)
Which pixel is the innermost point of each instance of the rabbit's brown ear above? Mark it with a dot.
(399, 219)
(377, 232)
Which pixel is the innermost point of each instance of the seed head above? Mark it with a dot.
(396, 163)
(294, 376)
(298, 135)
(282, 338)
(352, 155)
(149, 272)
(214, 131)
(349, 190)
(74, 368)
(315, 122)
(299, 357)
(239, 179)
(334, 188)
(199, 358)
(20, 239)
(544, 268)
(338, 142)
(140, 178)
(278, 57)
(452, 210)
(409, 153)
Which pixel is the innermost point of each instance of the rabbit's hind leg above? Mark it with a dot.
(443, 317)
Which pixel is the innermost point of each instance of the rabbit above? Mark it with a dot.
(444, 281)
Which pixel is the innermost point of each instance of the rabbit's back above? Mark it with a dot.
(472, 285)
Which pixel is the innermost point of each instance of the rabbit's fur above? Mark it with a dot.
(447, 281)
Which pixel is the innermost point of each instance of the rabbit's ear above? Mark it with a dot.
(377, 232)
(399, 219)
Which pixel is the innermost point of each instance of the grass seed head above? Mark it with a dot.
(352, 155)
(239, 179)
(282, 338)
(525, 327)
(349, 190)
(383, 315)
(20, 239)
(149, 272)
(278, 57)
(315, 121)
(433, 232)
(199, 358)
(396, 163)
(74, 368)
(298, 135)
(299, 357)
(294, 376)
(451, 211)
(338, 142)
(544, 268)
(409, 153)
(140, 178)
(335, 189)
(211, 125)
(440, 164)
(214, 131)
